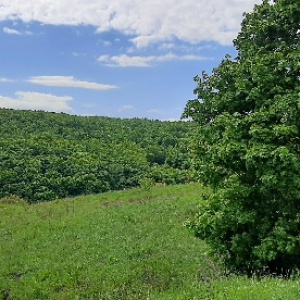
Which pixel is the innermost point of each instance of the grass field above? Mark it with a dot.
(118, 245)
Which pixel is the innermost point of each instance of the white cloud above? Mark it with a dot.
(5, 80)
(126, 107)
(107, 43)
(77, 54)
(143, 61)
(37, 101)
(11, 31)
(147, 21)
(69, 81)
(15, 32)
(165, 46)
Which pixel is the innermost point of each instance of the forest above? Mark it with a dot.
(45, 156)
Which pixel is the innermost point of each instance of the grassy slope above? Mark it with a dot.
(119, 245)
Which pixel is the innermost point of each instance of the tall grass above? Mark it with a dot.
(118, 245)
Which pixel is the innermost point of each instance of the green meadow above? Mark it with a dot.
(128, 244)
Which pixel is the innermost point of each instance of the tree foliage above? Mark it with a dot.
(46, 156)
(248, 111)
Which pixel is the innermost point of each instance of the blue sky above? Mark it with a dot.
(117, 58)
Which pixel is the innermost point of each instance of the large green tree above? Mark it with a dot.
(248, 146)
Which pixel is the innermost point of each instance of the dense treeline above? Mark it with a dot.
(46, 155)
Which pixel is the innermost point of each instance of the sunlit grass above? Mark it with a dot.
(118, 245)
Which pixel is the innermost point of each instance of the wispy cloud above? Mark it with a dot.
(125, 60)
(37, 101)
(126, 107)
(5, 80)
(69, 81)
(77, 54)
(11, 31)
(8, 30)
(146, 22)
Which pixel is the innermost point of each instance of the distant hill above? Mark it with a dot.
(45, 156)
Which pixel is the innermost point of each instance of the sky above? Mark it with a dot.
(117, 58)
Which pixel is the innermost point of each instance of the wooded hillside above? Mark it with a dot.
(47, 155)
